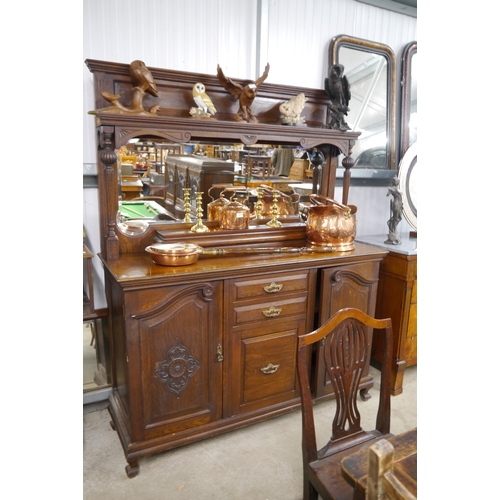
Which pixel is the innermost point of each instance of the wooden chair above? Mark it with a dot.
(381, 481)
(347, 350)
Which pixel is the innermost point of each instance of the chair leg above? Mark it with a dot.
(309, 492)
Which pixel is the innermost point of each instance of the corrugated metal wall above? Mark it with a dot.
(196, 35)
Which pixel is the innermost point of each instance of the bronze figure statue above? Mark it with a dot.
(338, 90)
(394, 237)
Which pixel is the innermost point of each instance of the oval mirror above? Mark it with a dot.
(370, 69)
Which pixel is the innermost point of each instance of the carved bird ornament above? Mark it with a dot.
(245, 94)
(205, 105)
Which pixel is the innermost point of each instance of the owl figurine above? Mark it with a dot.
(205, 105)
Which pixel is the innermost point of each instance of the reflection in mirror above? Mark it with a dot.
(159, 181)
(409, 97)
(370, 69)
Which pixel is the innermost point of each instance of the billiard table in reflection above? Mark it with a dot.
(147, 209)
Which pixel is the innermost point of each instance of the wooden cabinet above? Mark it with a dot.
(397, 299)
(196, 174)
(207, 348)
(210, 347)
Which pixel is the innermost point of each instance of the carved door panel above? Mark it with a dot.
(347, 286)
(175, 373)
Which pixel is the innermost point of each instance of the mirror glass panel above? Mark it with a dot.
(369, 67)
(367, 74)
(159, 173)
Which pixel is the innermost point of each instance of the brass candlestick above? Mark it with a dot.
(274, 222)
(199, 227)
(187, 205)
(259, 204)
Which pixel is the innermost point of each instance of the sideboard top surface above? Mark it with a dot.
(137, 268)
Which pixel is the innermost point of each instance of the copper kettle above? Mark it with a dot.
(234, 215)
(215, 205)
(331, 225)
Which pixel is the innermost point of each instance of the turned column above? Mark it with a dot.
(108, 193)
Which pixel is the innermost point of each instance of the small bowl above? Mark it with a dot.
(174, 254)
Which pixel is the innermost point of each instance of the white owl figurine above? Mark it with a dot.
(205, 105)
(291, 110)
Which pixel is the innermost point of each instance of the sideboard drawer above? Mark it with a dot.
(272, 285)
(269, 310)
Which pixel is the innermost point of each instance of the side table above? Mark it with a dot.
(397, 299)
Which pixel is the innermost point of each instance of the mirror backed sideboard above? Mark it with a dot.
(210, 347)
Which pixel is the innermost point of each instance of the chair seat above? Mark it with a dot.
(327, 477)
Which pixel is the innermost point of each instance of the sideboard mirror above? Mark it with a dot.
(371, 70)
(409, 97)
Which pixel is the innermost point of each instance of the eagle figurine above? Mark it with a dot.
(338, 90)
(245, 94)
(142, 77)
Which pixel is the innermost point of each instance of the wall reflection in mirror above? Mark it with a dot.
(370, 69)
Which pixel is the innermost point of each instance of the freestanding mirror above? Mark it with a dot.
(409, 98)
(371, 70)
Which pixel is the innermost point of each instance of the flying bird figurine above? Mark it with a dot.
(337, 89)
(244, 93)
(142, 77)
(205, 105)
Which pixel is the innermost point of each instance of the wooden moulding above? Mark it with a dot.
(292, 233)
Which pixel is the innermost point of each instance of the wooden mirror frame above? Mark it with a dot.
(345, 41)
(409, 51)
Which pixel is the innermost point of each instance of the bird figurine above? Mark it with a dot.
(205, 105)
(143, 82)
(142, 77)
(337, 89)
(244, 93)
(291, 110)
(111, 97)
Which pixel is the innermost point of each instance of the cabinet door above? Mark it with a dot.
(345, 286)
(262, 367)
(175, 374)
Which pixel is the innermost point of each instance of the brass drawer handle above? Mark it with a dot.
(220, 356)
(270, 369)
(273, 288)
(272, 312)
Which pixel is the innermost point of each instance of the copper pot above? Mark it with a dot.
(331, 225)
(174, 254)
(234, 215)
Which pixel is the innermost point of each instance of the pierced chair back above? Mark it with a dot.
(346, 338)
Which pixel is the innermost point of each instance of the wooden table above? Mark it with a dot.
(355, 467)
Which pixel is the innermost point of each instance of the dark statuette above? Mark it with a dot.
(337, 89)
(394, 237)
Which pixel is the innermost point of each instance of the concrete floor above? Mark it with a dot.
(259, 462)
